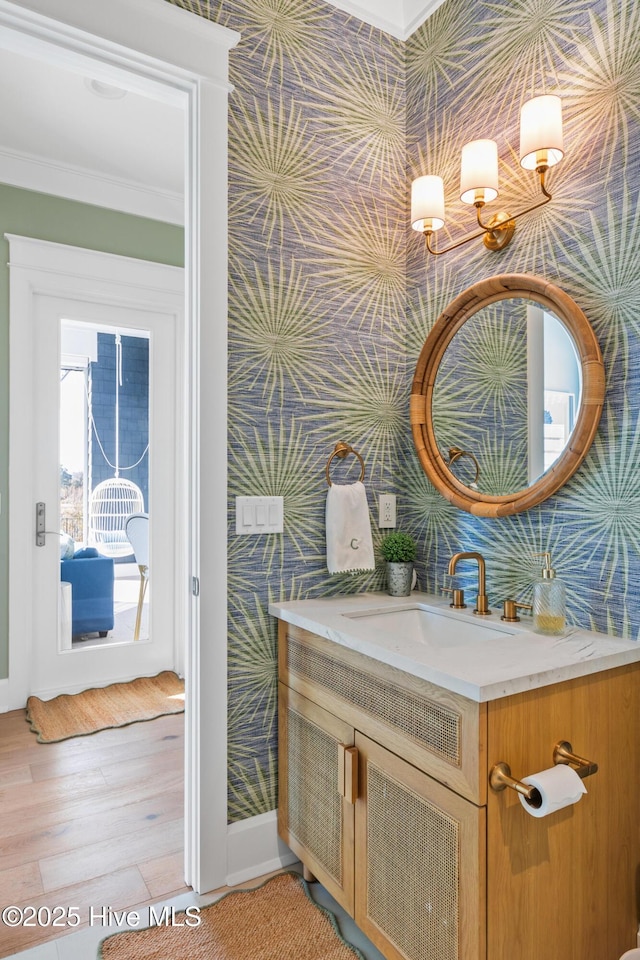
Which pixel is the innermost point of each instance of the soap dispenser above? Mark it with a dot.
(549, 601)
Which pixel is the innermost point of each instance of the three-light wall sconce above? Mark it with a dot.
(541, 147)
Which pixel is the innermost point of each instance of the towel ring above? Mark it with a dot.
(455, 453)
(342, 450)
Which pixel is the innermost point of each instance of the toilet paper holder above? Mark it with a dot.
(500, 776)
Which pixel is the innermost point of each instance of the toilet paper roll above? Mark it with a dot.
(558, 787)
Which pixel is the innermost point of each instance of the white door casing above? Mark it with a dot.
(154, 43)
(125, 293)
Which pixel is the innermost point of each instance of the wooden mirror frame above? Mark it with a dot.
(592, 398)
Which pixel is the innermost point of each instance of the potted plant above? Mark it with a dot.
(399, 550)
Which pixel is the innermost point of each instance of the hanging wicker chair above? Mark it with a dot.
(112, 501)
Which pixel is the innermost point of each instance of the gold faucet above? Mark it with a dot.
(482, 604)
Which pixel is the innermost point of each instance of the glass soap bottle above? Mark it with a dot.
(549, 601)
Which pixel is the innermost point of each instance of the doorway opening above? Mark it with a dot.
(160, 46)
(102, 326)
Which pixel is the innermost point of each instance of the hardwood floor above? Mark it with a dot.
(89, 822)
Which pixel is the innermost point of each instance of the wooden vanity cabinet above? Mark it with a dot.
(383, 796)
(400, 850)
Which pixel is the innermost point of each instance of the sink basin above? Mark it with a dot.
(423, 624)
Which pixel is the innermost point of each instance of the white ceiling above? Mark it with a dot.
(58, 137)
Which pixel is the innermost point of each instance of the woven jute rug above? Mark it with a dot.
(275, 921)
(79, 714)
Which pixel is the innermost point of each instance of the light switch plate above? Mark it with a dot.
(259, 514)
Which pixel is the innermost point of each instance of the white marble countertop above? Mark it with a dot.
(499, 660)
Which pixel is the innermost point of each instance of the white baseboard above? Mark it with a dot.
(17, 700)
(254, 848)
(4, 696)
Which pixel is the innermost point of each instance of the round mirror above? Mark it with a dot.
(507, 395)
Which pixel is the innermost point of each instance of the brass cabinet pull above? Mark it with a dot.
(348, 772)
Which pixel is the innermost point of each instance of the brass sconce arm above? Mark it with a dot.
(460, 243)
(498, 231)
(490, 227)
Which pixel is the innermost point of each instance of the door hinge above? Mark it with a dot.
(195, 586)
(348, 772)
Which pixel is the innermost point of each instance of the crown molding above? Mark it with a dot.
(415, 14)
(178, 38)
(406, 16)
(75, 183)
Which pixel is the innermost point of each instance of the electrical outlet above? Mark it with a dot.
(387, 510)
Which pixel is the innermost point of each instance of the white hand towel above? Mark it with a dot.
(349, 540)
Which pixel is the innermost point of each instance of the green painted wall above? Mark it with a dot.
(32, 214)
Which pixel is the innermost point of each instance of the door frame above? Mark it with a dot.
(153, 42)
(40, 273)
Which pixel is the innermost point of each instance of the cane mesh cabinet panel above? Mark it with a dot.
(400, 851)
(438, 731)
(414, 715)
(419, 862)
(313, 817)
(421, 841)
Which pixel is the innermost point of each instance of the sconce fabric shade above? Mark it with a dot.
(427, 203)
(541, 142)
(479, 171)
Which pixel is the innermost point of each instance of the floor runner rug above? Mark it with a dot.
(275, 921)
(79, 714)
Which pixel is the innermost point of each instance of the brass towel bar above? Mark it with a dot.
(500, 777)
(342, 450)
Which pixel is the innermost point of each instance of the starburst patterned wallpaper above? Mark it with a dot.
(331, 296)
(482, 382)
(467, 77)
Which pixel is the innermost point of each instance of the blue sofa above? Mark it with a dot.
(91, 579)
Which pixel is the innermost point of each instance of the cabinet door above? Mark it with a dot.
(314, 817)
(420, 862)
